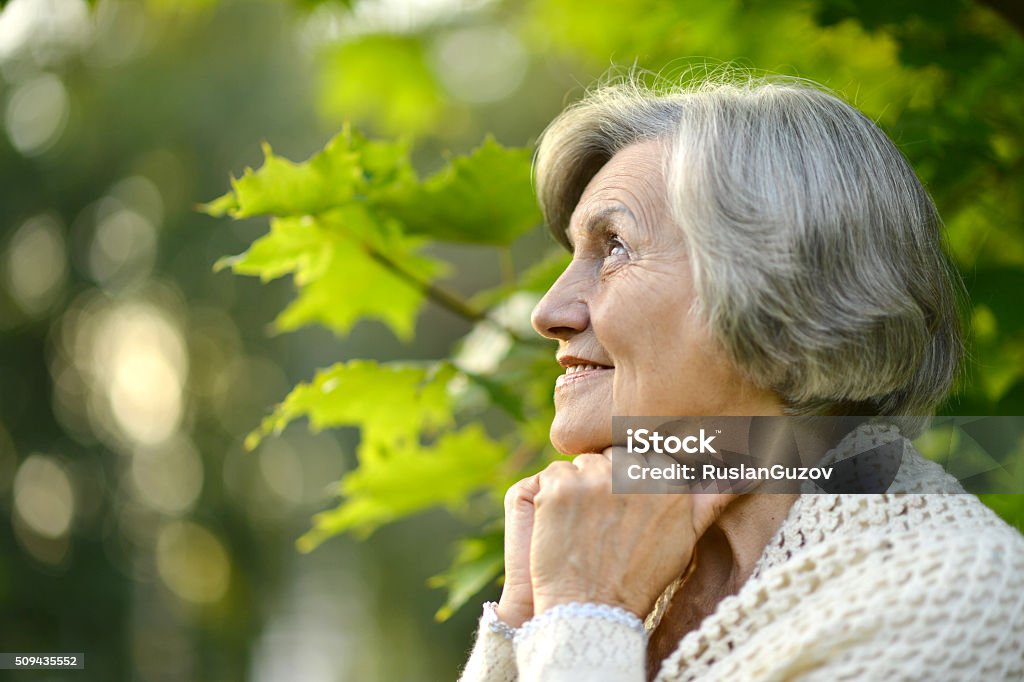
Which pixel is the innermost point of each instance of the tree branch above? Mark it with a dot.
(443, 297)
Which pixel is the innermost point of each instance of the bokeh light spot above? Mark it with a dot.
(192, 562)
(43, 497)
(281, 470)
(36, 114)
(47, 29)
(36, 264)
(168, 478)
(139, 356)
(140, 194)
(480, 64)
(123, 247)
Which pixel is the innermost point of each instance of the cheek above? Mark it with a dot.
(637, 338)
(642, 319)
(665, 360)
(622, 312)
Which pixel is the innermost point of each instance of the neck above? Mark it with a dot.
(747, 525)
(725, 558)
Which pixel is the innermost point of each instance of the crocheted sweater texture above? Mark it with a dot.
(907, 585)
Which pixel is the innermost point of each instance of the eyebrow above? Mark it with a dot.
(600, 217)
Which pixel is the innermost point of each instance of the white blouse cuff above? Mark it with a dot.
(595, 642)
(492, 658)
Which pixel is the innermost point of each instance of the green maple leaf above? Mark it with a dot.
(483, 198)
(393, 404)
(284, 188)
(348, 168)
(400, 481)
(352, 287)
(478, 561)
(293, 245)
(223, 205)
(347, 266)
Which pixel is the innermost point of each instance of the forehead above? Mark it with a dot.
(631, 184)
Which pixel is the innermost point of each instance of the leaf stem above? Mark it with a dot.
(445, 298)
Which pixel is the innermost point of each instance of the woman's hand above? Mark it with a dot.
(589, 545)
(515, 606)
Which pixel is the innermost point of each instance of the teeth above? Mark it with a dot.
(572, 369)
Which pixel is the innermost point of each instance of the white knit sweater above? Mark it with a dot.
(906, 586)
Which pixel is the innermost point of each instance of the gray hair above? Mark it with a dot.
(816, 252)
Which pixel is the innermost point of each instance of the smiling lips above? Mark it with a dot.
(575, 373)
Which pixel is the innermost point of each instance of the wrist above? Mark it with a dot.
(493, 622)
(544, 603)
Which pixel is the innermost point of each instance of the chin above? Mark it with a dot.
(578, 438)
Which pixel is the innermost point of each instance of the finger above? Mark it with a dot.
(556, 471)
(621, 462)
(591, 459)
(668, 463)
(595, 472)
(621, 456)
(560, 466)
(708, 507)
(522, 491)
(559, 481)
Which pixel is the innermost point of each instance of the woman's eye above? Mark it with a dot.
(616, 247)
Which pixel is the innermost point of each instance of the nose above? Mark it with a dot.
(562, 313)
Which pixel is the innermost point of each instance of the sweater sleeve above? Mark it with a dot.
(576, 646)
(492, 658)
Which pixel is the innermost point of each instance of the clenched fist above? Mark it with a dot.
(587, 544)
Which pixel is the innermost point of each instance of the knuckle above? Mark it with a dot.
(555, 489)
(511, 494)
(555, 471)
(518, 490)
(558, 483)
(590, 460)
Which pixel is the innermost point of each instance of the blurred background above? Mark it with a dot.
(135, 527)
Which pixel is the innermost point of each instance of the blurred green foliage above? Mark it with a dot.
(383, 77)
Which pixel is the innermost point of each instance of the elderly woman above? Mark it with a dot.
(759, 248)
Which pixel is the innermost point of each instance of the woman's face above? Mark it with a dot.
(623, 315)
